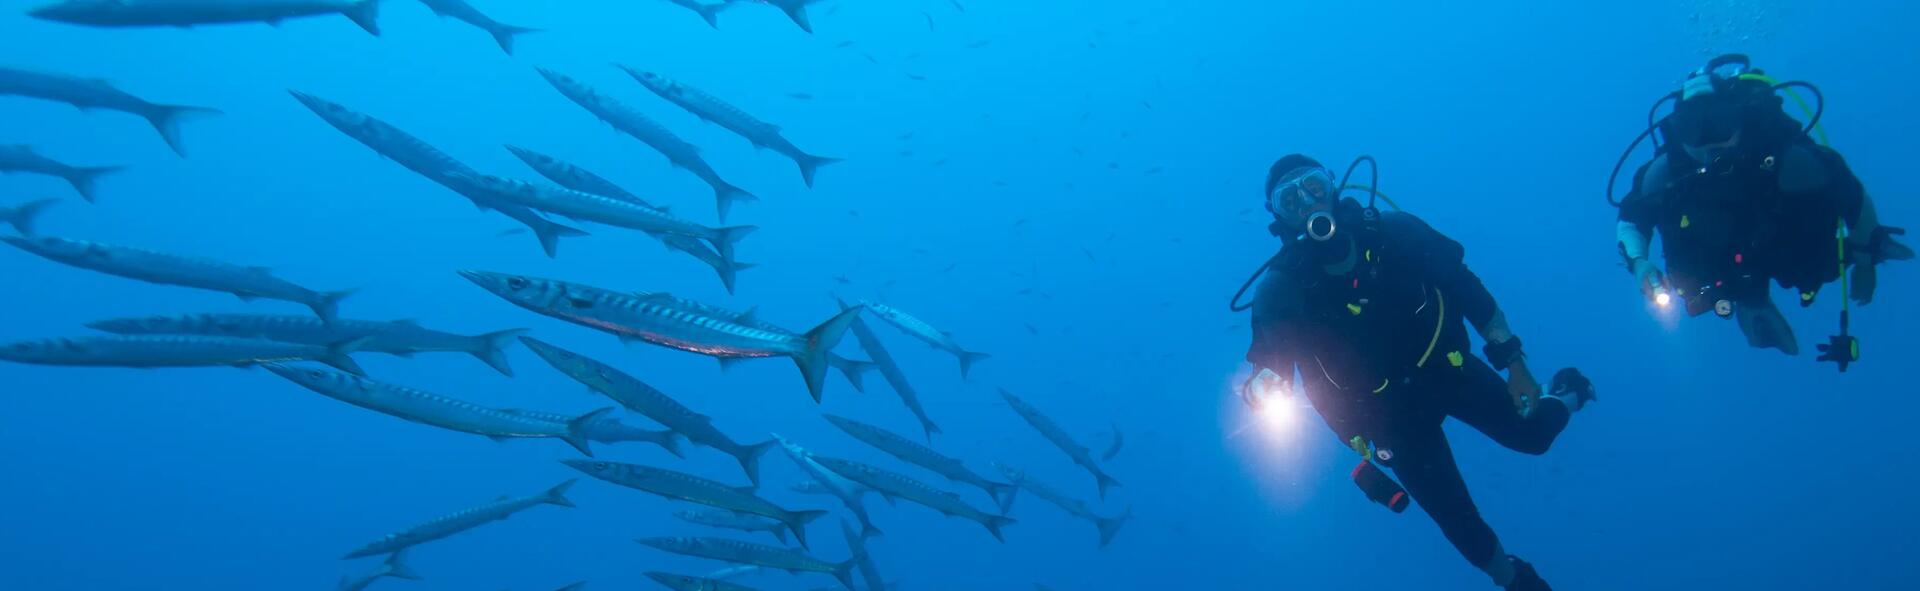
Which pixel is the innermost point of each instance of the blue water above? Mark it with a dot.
(1106, 155)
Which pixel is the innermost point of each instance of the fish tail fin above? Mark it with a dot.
(549, 233)
(27, 214)
(711, 13)
(993, 524)
(725, 238)
(558, 494)
(340, 355)
(730, 272)
(1002, 494)
(1104, 482)
(844, 571)
(928, 428)
(798, 12)
(1111, 525)
(797, 521)
(166, 120)
(749, 457)
(810, 164)
(82, 179)
(396, 566)
(491, 349)
(967, 359)
(812, 359)
(724, 195)
(327, 305)
(577, 430)
(365, 13)
(855, 371)
(671, 443)
(504, 35)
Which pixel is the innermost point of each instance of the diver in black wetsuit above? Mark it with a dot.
(1371, 308)
(1741, 194)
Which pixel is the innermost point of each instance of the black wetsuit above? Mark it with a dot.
(1732, 225)
(1384, 354)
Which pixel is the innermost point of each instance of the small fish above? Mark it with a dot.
(692, 583)
(892, 486)
(919, 455)
(1147, 104)
(1060, 439)
(800, 96)
(719, 112)
(440, 411)
(940, 162)
(1155, 170)
(731, 520)
(95, 93)
(188, 13)
(906, 136)
(248, 283)
(843, 44)
(463, 521)
(403, 338)
(950, 268)
(830, 484)
(929, 16)
(650, 402)
(1090, 258)
(1108, 526)
(150, 351)
(460, 10)
(395, 567)
(890, 371)
(1032, 329)
(607, 429)
(679, 152)
(693, 489)
(21, 158)
(956, 6)
(1113, 449)
(425, 160)
(916, 77)
(926, 332)
(842, 279)
(24, 217)
(738, 552)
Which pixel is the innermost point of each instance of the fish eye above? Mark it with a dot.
(517, 283)
(599, 465)
(314, 373)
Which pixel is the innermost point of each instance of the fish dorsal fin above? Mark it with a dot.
(748, 317)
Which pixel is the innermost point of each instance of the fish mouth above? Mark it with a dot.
(480, 278)
(49, 12)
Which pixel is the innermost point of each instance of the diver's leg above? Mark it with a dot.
(1764, 326)
(1425, 466)
(1480, 399)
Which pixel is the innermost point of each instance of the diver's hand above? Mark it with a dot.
(1649, 275)
(1258, 386)
(1522, 386)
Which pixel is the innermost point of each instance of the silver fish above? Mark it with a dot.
(926, 332)
(830, 483)
(605, 210)
(662, 320)
(461, 11)
(691, 583)
(707, 12)
(574, 177)
(738, 552)
(425, 160)
(188, 13)
(403, 338)
(693, 489)
(1060, 439)
(22, 158)
(629, 121)
(721, 113)
(639, 397)
(95, 93)
(463, 521)
(734, 572)
(606, 429)
(890, 370)
(395, 567)
(440, 411)
(893, 485)
(148, 351)
(914, 453)
(735, 521)
(1108, 526)
(796, 10)
(24, 217)
(153, 267)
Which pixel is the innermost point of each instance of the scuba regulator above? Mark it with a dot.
(1323, 226)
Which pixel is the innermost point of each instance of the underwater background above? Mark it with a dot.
(1072, 187)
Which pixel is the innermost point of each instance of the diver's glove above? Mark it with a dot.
(1649, 275)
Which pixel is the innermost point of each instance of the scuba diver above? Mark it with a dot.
(1741, 193)
(1371, 309)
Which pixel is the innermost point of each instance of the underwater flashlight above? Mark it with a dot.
(1662, 298)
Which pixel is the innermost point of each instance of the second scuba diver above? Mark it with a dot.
(1371, 309)
(1741, 194)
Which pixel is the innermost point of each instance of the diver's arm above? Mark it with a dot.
(1635, 241)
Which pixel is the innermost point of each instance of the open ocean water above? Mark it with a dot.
(1070, 187)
